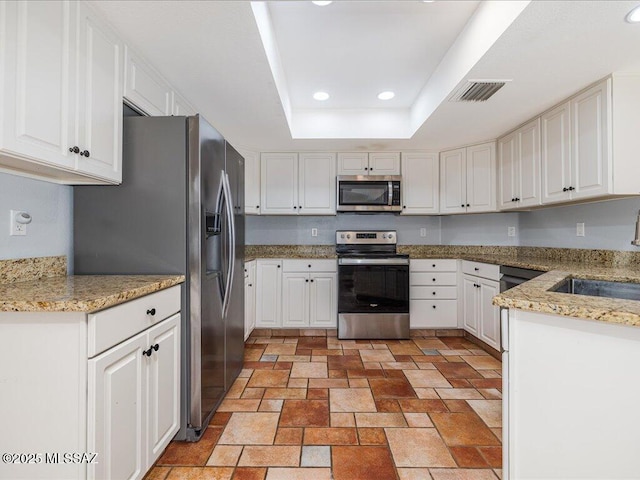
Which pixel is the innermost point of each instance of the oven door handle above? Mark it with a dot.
(373, 261)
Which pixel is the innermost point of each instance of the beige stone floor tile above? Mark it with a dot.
(269, 378)
(380, 346)
(200, 473)
(351, 400)
(497, 432)
(376, 356)
(462, 474)
(253, 393)
(449, 353)
(426, 366)
(245, 373)
(405, 349)
(299, 474)
(483, 362)
(398, 365)
(250, 429)
(241, 405)
(157, 473)
(430, 343)
(418, 420)
(225, 456)
(319, 358)
(380, 420)
(426, 393)
(371, 365)
(418, 447)
(490, 411)
(490, 373)
(237, 388)
(280, 349)
(342, 419)
(490, 393)
(426, 378)
(298, 383)
(285, 393)
(328, 383)
(459, 393)
(268, 340)
(271, 405)
(498, 472)
(309, 370)
(270, 456)
(294, 358)
(414, 474)
(358, 383)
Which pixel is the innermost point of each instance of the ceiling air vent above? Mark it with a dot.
(477, 90)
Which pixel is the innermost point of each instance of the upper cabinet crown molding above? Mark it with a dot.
(144, 87)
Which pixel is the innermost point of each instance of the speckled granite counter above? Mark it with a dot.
(80, 293)
(251, 252)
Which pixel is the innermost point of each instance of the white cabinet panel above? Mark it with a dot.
(489, 313)
(323, 300)
(353, 163)
(480, 317)
(433, 278)
(249, 298)
(251, 182)
(481, 171)
(373, 163)
(556, 154)
(433, 313)
(179, 106)
(507, 171)
(420, 183)
(144, 87)
(453, 181)
(317, 184)
(470, 303)
(529, 165)
(384, 163)
(279, 183)
(433, 293)
(295, 299)
(268, 293)
(433, 265)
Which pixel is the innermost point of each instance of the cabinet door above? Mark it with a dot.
(529, 164)
(591, 159)
(481, 178)
(279, 183)
(507, 171)
(295, 299)
(268, 293)
(317, 184)
(249, 299)
(470, 303)
(353, 163)
(420, 180)
(163, 404)
(489, 314)
(99, 98)
(384, 163)
(453, 180)
(179, 106)
(116, 423)
(556, 154)
(144, 87)
(323, 300)
(251, 182)
(39, 63)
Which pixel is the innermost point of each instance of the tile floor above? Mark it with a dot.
(315, 408)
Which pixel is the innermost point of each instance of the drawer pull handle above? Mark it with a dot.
(151, 312)
(476, 269)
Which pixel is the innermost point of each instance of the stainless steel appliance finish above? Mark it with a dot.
(368, 193)
(513, 276)
(180, 210)
(373, 286)
(599, 288)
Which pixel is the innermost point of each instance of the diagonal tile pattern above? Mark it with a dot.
(315, 407)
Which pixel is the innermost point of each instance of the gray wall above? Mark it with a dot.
(480, 229)
(51, 207)
(608, 225)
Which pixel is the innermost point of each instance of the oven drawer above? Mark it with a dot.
(434, 265)
(484, 270)
(434, 278)
(434, 313)
(421, 292)
(310, 265)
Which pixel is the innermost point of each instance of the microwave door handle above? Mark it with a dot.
(390, 194)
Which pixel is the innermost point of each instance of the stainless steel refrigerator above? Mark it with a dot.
(179, 209)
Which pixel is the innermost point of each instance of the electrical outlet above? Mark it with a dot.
(16, 228)
(314, 232)
(423, 232)
(579, 229)
(511, 231)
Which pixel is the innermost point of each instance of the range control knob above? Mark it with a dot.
(390, 236)
(342, 235)
(384, 235)
(348, 236)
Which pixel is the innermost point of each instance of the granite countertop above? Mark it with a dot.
(80, 293)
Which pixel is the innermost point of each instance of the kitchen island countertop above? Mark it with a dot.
(80, 293)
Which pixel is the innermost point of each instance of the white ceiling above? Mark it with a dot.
(212, 52)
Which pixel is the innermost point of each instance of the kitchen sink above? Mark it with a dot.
(599, 288)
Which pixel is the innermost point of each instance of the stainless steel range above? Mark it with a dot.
(373, 286)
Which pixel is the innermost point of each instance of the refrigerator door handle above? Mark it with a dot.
(231, 231)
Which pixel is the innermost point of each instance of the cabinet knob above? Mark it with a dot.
(462, 205)
(74, 149)
(151, 311)
(156, 347)
(571, 189)
(312, 280)
(468, 205)
(300, 207)
(404, 206)
(434, 293)
(309, 266)
(433, 279)
(147, 352)
(257, 206)
(250, 285)
(565, 189)
(517, 199)
(476, 269)
(278, 266)
(433, 306)
(307, 280)
(294, 207)
(434, 265)
(366, 168)
(85, 153)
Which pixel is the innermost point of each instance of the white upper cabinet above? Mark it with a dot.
(467, 179)
(519, 167)
(420, 180)
(555, 161)
(144, 87)
(363, 163)
(251, 182)
(62, 93)
(293, 184)
(180, 107)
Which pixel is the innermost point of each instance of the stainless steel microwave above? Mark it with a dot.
(369, 193)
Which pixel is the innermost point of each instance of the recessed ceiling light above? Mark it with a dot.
(634, 15)
(321, 96)
(322, 4)
(386, 95)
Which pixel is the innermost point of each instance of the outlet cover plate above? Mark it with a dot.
(579, 229)
(16, 228)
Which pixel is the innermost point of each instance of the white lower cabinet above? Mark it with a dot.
(249, 298)
(480, 317)
(268, 293)
(433, 293)
(95, 386)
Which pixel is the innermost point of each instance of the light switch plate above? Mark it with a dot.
(511, 231)
(314, 232)
(423, 232)
(579, 229)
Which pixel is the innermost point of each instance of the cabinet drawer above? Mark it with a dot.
(433, 313)
(113, 325)
(433, 278)
(310, 265)
(434, 265)
(423, 292)
(484, 270)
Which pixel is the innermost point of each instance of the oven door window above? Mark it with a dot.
(373, 289)
(363, 193)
